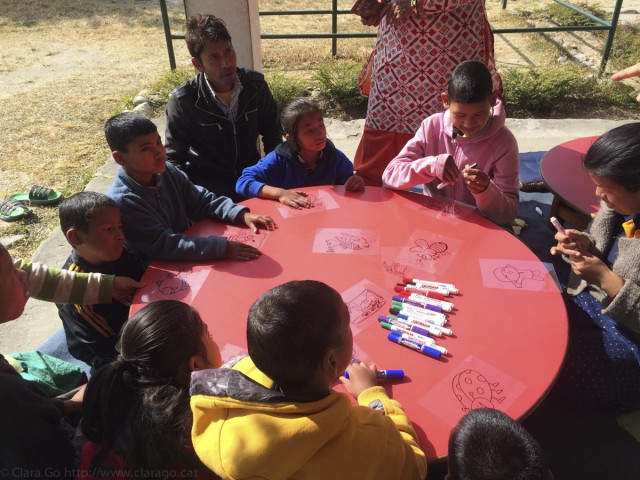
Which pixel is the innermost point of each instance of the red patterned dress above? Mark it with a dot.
(412, 64)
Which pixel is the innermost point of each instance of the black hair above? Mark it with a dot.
(616, 156)
(290, 328)
(139, 403)
(292, 114)
(201, 29)
(79, 209)
(121, 129)
(470, 83)
(488, 445)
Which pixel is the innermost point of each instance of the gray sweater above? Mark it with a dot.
(625, 307)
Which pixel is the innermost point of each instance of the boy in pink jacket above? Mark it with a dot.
(465, 153)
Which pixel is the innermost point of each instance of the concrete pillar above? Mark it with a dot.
(243, 23)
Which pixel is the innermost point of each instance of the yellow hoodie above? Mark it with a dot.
(242, 429)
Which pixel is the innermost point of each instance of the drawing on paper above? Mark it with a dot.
(425, 251)
(315, 200)
(511, 274)
(473, 390)
(394, 268)
(347, 241)
(248, 238)
(364, 305)
(171, 283)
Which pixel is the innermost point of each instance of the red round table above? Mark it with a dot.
(509, 323)
(574, 198)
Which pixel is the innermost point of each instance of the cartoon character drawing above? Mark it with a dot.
(364, 305)
(511, 274)
(425, 251)
(172, 283)
(347, 241)
(473, 390)
(248, 238)
(395, 268)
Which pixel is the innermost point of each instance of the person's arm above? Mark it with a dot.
(62, 286)
(268, 121)
(177, 133)
(409, 458)
(413, 166)
(268, 170)
(499, 202)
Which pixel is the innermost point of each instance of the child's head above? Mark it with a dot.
(303, 126)
(489, 445)
(13, 288)
(91, 223)
(470, 96)
(211, 50)
(142, 397)
(613, 162)
(136, 145)
(299, 334)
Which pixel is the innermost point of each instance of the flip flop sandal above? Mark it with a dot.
(12, 210)
(37, 196)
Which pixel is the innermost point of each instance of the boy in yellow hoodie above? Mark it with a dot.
(273, 415)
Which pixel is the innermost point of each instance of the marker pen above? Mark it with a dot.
(417, 333)
(554, 221)
(441, 185)
(443, 304)
(439, 317)
(425, 283)
(433, 330)
(427, 305)
(418, 347)
(385, 374)
(433, 288)
(429, 342)
(421, 322)
(401, 289)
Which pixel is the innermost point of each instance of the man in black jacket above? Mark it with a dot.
(215, 118)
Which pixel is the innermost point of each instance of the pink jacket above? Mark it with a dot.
(496, 152)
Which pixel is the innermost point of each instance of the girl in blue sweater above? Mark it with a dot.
(305, 159)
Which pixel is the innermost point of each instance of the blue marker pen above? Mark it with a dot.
(413, 345)
(385, 374)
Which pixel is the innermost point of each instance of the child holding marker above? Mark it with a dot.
(306, 158)
(603, 353)
(291, 424)
(468, 141)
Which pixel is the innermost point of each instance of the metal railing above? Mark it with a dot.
(334, 35)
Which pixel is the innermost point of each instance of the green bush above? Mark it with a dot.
(337, 81)
(284, 87)
(626, 46)
(559, 91)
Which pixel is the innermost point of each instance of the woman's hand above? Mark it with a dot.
(572, 243)
(477, 180)
(594, 271)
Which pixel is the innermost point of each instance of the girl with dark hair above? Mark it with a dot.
(602, 366)
(306, 158)
(136, 409)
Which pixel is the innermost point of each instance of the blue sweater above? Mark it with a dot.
(155, 218)
(282, 169)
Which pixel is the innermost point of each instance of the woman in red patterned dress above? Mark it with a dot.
(420, 42)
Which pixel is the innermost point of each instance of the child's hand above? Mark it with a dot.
(252, 221)
(361, 377)
(572, 243)
(450, 173)
(295, 199)
(477, 180)
(354, 183)
(241, 251)
(124, 288)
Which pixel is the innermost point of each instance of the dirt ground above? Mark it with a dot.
(65, 67)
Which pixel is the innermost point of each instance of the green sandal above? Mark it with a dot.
(37, 196)
(11, 210)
